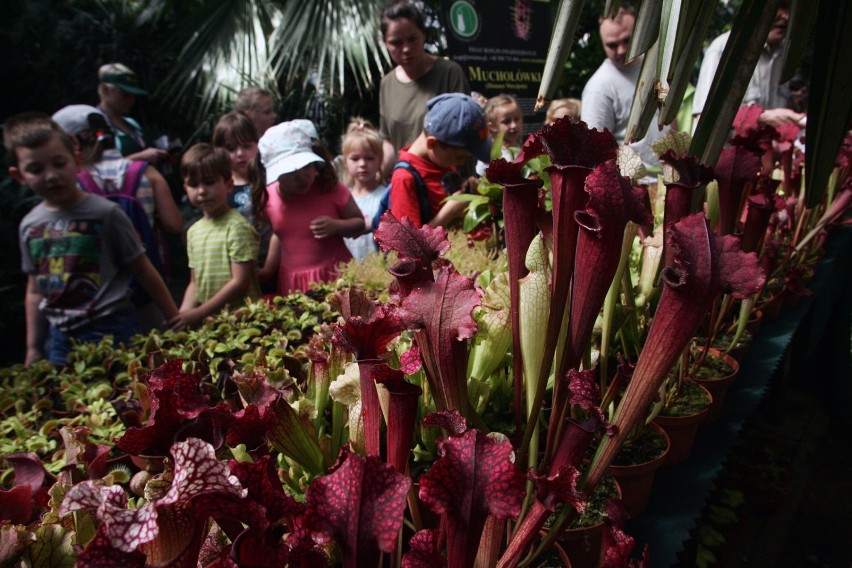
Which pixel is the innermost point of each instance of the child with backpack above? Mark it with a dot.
(78, 250)
(138, 188)
(454, 128)
(221, 246)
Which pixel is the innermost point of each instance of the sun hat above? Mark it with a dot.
(285, 148)
(456, 120)
(122, 77)
(75, 119)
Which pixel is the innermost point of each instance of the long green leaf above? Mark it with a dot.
(830, 103)
(691, 34)
(669, 23)
(646, 29)
(799, 29)
(328, 37)
(644, 98)
(736, 67)
(567, 18)
(611, 8)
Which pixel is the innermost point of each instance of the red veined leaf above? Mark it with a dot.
(585, 394)
(296, 437)
(402, 413)
(359, 505)
(737, 166)
(520, 210)
(80, 452)
(410, 362)
(16, 505)
(29, 497)
(14, 542)
(422, 245)
(474, 477)
(351, 302)
(613, 202)
(175, 398)
(368, 338)
(761, 206)
(617, 545)
(747, 120)
(126, 529)
(560, 487)
(423, 551)
(100, 554)
(443, 310)
(453, 423)
(261, 481)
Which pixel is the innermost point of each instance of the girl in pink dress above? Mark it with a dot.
(309, 209)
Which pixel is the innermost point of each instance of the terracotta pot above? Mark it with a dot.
(772, 308)
(681, 431)
(753, 322)
(636, 480)
(583, 545)
(718, 386)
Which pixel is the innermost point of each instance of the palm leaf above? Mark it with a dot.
(691, 34)
(646, 29)
(224, 50)
(644, 98)
(567, 18)
(799, 28)
(328, 38)
(669, 24)
(229, 44)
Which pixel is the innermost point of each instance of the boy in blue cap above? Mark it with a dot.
(454, 128)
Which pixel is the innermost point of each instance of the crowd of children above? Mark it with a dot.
(276, 211)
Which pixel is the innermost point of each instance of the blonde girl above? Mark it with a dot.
(362, 161)
(503, 114)
(562, 107)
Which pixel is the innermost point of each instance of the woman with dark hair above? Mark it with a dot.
(417, 77)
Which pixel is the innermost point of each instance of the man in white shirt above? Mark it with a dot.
(764, 89)
(608, 95)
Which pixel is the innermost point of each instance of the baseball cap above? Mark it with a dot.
(456, 120)
(285, 148)
(120, 76)
(75, 119)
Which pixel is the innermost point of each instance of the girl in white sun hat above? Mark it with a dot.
(295, 189)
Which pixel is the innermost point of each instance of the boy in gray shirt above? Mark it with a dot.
(78, 250)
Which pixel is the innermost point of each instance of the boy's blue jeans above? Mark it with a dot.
(122, 325)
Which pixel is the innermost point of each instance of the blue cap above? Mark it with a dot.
(456, 120)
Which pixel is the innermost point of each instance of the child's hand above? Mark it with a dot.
(32, 356)
(323, 226)
(184, 319)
